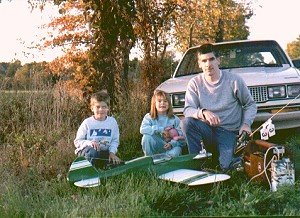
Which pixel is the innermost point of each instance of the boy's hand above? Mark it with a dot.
(95, 145)
(168, 146)
(113, 158)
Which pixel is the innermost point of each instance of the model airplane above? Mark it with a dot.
(184, 169)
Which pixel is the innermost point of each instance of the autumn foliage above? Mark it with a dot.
(97, 37)
(293, 48)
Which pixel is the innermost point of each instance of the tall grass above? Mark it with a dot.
(37, 133)
(37, 129)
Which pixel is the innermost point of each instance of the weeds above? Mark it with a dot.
(36, 145)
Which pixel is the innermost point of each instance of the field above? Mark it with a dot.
(36, 145)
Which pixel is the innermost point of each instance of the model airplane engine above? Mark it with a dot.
(265, 161)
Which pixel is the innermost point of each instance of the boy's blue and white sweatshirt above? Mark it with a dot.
(106, 131)
(151, 126)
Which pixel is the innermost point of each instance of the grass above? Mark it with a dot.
(143, 195)
(36, 145)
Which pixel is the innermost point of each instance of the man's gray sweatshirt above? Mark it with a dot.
(229, 98)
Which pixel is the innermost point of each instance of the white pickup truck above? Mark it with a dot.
(269, 73)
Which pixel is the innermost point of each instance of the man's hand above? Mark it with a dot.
(245, 128)
(113, 158)
(168, 146)
(211, 118)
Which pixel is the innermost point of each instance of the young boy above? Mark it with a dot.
(98, 135)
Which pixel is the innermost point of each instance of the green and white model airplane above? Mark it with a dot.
(185, 169)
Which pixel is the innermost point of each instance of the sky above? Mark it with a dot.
(273, 19)
(19, 27)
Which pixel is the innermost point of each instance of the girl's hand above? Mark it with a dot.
(166, 136)
(113, 158)
(168, 146)
(168, 128)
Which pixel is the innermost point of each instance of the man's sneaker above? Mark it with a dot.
(202, 154)
(237, 164)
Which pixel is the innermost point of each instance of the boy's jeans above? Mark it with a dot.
(224, 140)
(92, 155)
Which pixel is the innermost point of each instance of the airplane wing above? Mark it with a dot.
(193, 177)
(184, 169)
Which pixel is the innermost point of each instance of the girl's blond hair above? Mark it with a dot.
(153, 111)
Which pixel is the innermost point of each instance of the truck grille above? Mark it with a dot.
(259, 93)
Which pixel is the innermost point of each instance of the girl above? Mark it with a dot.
(156, 123)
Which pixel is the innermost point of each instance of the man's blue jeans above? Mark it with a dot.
(223, 140)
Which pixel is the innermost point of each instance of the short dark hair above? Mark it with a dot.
(207, 48)
(100, 96)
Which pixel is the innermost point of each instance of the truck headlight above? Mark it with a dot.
(276, 92)
(178, 99)
(293, 90)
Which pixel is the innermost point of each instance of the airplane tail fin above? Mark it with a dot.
(83, 174)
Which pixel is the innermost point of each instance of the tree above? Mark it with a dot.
(71, 33)
(113, 38)
(13, 67)
(97, 37)
(3, 67)
(188, 22)
(32, 76)
(210, 21)
(153, 25)
(22, 77)
(293, 48)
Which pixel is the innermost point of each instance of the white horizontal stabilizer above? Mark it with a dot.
(87, 183)
(193, 177)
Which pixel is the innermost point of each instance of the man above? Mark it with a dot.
(218, 106)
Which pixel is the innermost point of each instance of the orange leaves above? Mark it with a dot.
(293, 48)
(210, 20)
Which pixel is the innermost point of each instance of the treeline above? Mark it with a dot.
(30, 76)
(38, 75)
